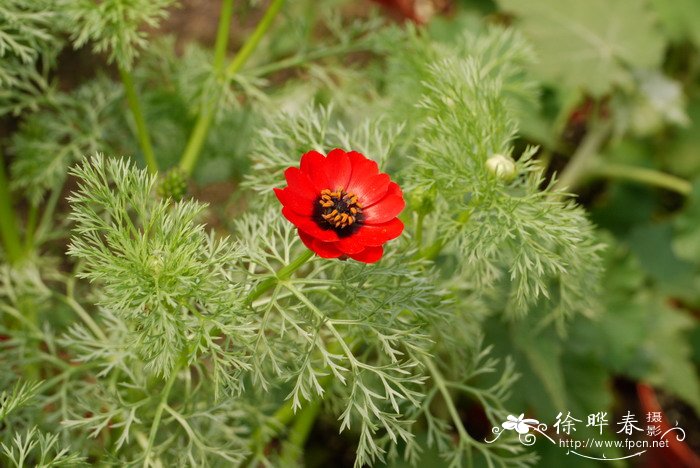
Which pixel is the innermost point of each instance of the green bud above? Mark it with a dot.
(423, 201)
(155, 264)
(503, 167)
(173, 184)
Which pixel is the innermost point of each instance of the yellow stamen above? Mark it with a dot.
(339, 209)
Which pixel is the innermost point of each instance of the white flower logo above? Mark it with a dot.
(522, 426)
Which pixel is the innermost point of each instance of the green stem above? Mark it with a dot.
(283, 274)
(301, 59)
(247, 50)
(159, 413)
(447, 398)
(47, 215)
(302, 426)
(201, 126)
(84, 316)
(31, 228)
(431, 252)
(282, 416)
(132, 99)
(419, 229)
(299, 433)
(196, 141)
(222, 35)
(8, 220)
(583, 160)
(643, 175)
(586, 164)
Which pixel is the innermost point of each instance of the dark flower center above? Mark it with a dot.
(338, 210)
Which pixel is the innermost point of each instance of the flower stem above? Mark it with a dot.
(8, 220)
(132, 99)
(255, 38)
(284, 273)
(222, 33)
(431, 252)
(419, 229)
(201, 126)
(643, 175)
(159, 412)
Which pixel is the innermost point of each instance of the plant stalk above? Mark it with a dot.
(643, 175)
(419, 229)
(159, 413)
(8, 220)
(222, 34)
(447, 398)
(301, 59)
(206, 116)
(583, 160)
(30, 228)
(284, 273)
(299, 433)
(132, 99)
(250, 45)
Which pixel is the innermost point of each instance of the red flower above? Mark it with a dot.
(342, 205)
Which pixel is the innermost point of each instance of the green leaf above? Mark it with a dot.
(589, 44)
(669, 347)
(639, 335)
(686, 243)
(588, 383)
(679, 18)
(543, 354)
(651, 243)
(681, 153)
(537, 358)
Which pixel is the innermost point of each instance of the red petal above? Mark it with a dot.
(309, 226)
(371, 189)
(303, 206)
(350, 245)
(300, 184)
(377, 234)
(362, 167)
(384, 210)
(313, 165)
(394, 189)
(338, 169)
(322, 249)
(306, 239)
(369, 255)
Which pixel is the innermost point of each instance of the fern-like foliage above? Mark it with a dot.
(51, 141)
(30, 39)
(20, 395)
(155, 265)
(39, 449)
(114, 27)
(189, 349)
(359, 326)
(519, 234)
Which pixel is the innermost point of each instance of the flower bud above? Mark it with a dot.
(173, 185)
(155, 264)
(423, 201)
(503, 167)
